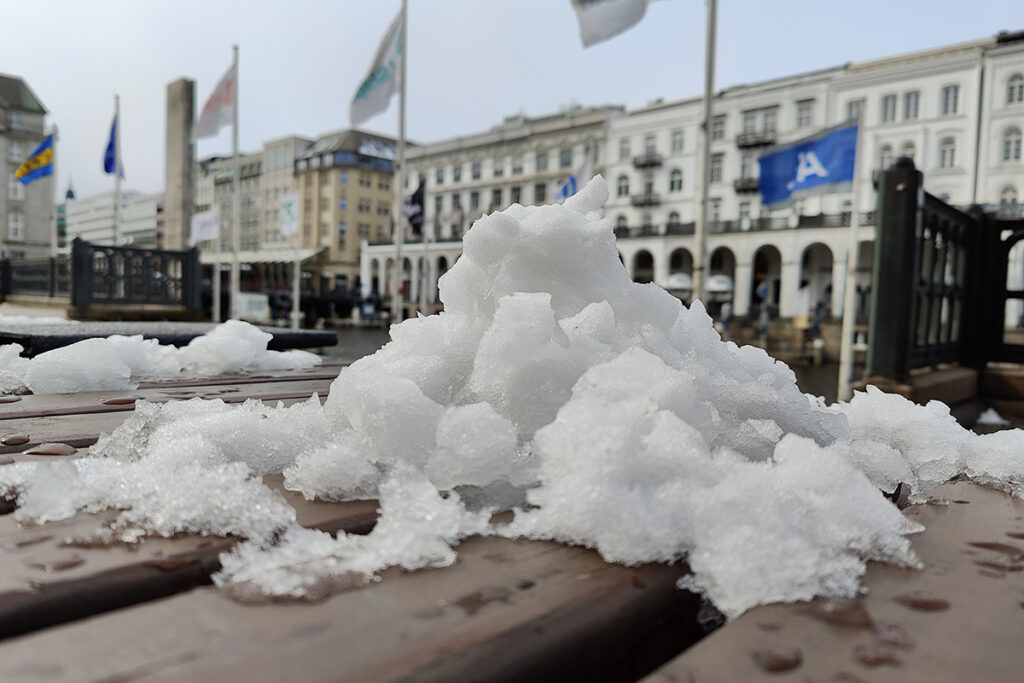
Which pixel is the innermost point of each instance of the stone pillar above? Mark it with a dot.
(365, 270)
(742, 284)
(179, 182)
(838, 284)
(787, 291)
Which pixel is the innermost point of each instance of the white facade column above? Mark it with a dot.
(838, 283)
(788, 289)
(414, 280)
(365, 270)
(661, 264)
(742, 284)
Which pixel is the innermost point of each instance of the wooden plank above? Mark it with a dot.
(110, 401)
(970, 563)
(507, 610)
(45, 580)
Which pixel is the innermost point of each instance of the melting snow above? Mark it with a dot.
(604, 411)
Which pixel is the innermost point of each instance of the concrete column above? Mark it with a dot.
(742, 283)
(838, 283)
(787, 291)
(414, 280)
(661, 265)
(179, 164)
(365, 270)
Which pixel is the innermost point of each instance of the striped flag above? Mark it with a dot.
(38, 164)
(219, 110)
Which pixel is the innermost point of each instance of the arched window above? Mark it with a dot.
(1008, 195)
(885, 157)
(1011, 144)
(947, 153)
(1015, 89)
(623, 186)
(620, 222)
(673, 218)
(908, 150)
(648, 223)
(675, 180)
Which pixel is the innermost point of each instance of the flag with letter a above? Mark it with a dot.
(219, 110)
(807, 166)
(603, 19)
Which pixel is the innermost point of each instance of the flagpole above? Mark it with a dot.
(117, 168)
(399, 214)
(700, 232)
(216, 280)
(844, 392)
(296, 280)
(236, 198)
(56, 187)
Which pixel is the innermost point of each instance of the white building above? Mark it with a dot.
(27, 212)
(92, 218)
(958, 111)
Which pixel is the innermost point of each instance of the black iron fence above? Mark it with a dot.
(50, 277)
(126, 275)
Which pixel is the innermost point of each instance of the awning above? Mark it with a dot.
(283, 255)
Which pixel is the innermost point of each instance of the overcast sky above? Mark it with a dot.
(471, 62)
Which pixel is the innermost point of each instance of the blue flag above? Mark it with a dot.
(112, 157)
(38, 164)
(813, 164)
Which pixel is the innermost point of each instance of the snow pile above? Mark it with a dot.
(112, 363)
(991, 417)
(604, 411)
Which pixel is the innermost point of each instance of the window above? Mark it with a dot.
(456, 202)
(1008, 197)
(15, 190)
(343, 204)
(495, 197)
(439, 176)
(475, 170)
(910, 102)
(673, 218)
(622, 187)
(620, 222)
(675, 180)
(438, 204)
(384, 183)
(515, 195)
(307, 205)
(947, 153)
(457, 173)
(540, 193)
(364, 230)
(542, 161)
(646, 221)
(677, 141)
(769, 120)
(888, 108)
(624, 149)
(950, 99)
(1015, 89)
(649, 145)
(16, 152)
(749, 122)
(716, 211)
(908, 150)
(364, 205)
(1011, 144)
(344, 177)
(365, 180)
(853, 109)
(499, 168)
(383, 209)
(804, 113)
(648, 183)
(324, 203)
(885, 157)
(341, 228)
(565, 157)
(325, 178)
(744, 210)
(717, 128)
(747, 165)
(474, 200)
(715, 171)
(517, 165)
(15, 226)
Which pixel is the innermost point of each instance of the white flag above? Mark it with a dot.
(576, 181)
(381, 82)
(602, 19)
(219, 110)
(289, 214)
(204, 226)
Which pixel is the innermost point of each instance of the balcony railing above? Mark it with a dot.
(745, 184)
(756, 138)
(646, 199)
(647, 160)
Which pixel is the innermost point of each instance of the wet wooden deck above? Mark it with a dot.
(507, 610)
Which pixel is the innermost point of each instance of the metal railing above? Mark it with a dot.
(126, 275)
(50, 277)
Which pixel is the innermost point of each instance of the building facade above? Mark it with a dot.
(27, 212)
(958, 111)
(92, 218)
(519, 161)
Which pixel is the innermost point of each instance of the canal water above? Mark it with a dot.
(356, 342)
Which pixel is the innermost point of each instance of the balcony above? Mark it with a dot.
(646, 199)
(649, 159)
(679, 229)
(756, 138)
(744, 185)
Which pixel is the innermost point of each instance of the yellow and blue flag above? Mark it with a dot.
(39, 163)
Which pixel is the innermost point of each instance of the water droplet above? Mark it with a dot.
(777, 660)
(51, 449)
(874, 654)
(525, 584)
(14, 439)
(474, 602)
(56, 564)
(922, 601)
(845, 611)
(9, 399)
